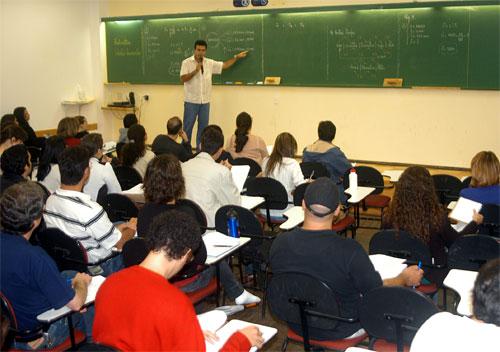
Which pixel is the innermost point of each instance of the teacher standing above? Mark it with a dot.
(196, 74)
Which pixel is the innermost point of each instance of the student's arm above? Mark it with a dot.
(411, 276)
(244, 339)
(231, 61)
(80, 284)
(127, 231)
(111, 180)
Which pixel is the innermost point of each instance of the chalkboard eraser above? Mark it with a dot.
(228, 82)
(238, 82)
(260, 82)
(393, 82)
(273, 81)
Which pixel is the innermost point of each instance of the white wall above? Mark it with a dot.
(48, 47)
(431, 126)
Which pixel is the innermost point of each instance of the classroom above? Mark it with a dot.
(392, 105)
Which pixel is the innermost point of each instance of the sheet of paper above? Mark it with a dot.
(234, 325)
(240, 173)
(137, 189)
(462, 281)
(464, 209)
(217, 243)
(387, 266)
(212, 321)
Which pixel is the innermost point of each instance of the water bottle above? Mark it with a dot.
(233, 225)
(353, 180)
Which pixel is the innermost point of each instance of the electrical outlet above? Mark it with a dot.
(146, 97)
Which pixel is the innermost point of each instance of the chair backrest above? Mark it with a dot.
(127, 176)
(101, 195)
(94, 346)
(400, 244)
(255, 168)
(67, 252)
(287, 291)
(22, 336)
(395, 313)
(309, 167)
(119, 207)
(201, 218)
(270, 189)
(491, 221)
(134, 251)
(367, 177)
(447, 188)
(466, 181)
(298, 193)
(249, 224)
(470, 252)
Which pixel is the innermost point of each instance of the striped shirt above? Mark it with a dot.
(78, 216)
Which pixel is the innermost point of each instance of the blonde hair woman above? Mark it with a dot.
(485, 183)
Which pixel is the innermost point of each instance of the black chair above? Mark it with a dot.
(466, 182)
(298, 194)
(273, 192)
(67, 252)
(447, 188)
(119, 207)
(392, 315)
(255, 168)
(134, 251)
(314, 170)
(128, 177)
(101, 195)
(200, 216)
(305, 303)
(491, 221)
(370, 177)
(23, 336)
(470, 252)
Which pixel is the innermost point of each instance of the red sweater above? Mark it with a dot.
(139, 310)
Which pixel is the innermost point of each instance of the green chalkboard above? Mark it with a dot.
(446, 46)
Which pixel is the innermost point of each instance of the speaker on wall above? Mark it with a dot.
(131, 98)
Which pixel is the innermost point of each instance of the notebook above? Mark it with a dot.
(217, 243)
(387, 266)
(240, 173)
(464, 209)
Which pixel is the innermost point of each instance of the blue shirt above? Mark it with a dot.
(30, 280)
(483, 195)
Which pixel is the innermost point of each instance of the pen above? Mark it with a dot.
(420, 267)
(311, 176)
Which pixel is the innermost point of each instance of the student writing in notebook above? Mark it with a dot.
(149, 313)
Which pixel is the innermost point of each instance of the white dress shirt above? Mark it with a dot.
(447, 332)
(101, 175)
(209, 184)
(199, 88)
(78, 216)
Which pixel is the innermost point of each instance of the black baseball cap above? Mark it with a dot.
(322, 192)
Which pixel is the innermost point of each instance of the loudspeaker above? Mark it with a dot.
(131, 98)
(259, 2)
(241, 3)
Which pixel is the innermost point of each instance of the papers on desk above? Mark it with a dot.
(387, 266)
(393, 175)
(250, 202)
(240, 174)
(54, 314)
(295, 217)
(217, 243)
(464, 209)
(462, 281)
(136, 190)
(109, 147)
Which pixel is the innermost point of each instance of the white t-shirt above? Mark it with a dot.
(142, 163)
(101, 175)
(289, 174)
(447, 332)
(199, 88)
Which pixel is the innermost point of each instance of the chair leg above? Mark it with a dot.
(353, 232)
(284, 345)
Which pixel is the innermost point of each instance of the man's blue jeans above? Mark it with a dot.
(191, 111)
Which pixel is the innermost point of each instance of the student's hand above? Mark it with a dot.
(412, 275)
(210, 336)
(132, 224)
(226, 164)
(253, 334)
(477, 218)
(241, 55)
(184, 136)
(81, 278)
(105, 159)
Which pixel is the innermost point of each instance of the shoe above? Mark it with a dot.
(246, 298)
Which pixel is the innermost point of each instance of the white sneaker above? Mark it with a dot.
(246, 298)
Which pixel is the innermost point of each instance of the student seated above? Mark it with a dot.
(149, 313)
(82, 126)
(485, 183)
(448, 332)
(11, 135)
(243, 144)
(209, 184)
(168, 143)
(67, 128)
(325, 152)
(128, 121)
(16, 166)
(74, 213)
(134, 153)
(8, 119)
(48, 168)
(23, 116)
(282, 166)
(415, 208)
(163, 187)
(342, 263)
(29, 277)
(101, 171)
